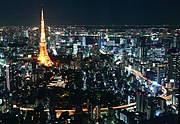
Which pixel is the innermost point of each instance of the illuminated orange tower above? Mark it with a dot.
(43, 57)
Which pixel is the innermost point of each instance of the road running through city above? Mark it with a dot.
(136, 73)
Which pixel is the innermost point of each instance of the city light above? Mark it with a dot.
(88, 73)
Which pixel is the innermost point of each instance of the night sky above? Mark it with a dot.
(60, 12)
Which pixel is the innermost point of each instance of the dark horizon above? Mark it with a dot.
(94, 12)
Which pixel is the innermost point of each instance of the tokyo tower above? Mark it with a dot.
(43, 57)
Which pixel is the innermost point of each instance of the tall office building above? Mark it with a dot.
(8, 77)
(141, 100)
(160, 74)
(43, 57)
(175, 97)
(174, 69)
(142, 48)
(156, 105)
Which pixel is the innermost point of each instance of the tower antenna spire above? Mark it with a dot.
(42, 10)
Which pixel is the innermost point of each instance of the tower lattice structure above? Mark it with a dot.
(43, 57)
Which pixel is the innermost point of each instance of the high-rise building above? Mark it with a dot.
(8, 77)
(174, 69)
(160, 73)
(155, 105)
(175, 97)
(43, 57)
(140, 101)
(142, 48)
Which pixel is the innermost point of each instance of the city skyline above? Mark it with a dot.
(81, 74)
(79, 12)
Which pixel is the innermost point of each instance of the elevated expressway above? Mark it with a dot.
(136, 73)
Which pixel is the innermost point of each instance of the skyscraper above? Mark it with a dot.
(174, 69)
(43, 57)
(140, 101)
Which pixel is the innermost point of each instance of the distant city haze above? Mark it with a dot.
(87, 12)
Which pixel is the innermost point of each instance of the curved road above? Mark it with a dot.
(136, 73)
